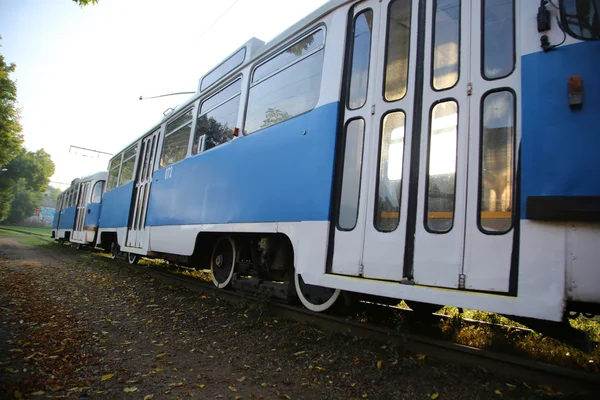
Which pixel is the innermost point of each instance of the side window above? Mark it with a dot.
(441, 169)
(287, 85)
(361, 55)
(446, 38)
(496, 168)
(97, 192)
(113, 172)
(350, 191)
(177, 136)
(217, 118)
(581, 19)
(397, 49)
(498, 38)
(128, 166)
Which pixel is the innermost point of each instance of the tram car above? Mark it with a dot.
(443, 152)
(78, 211)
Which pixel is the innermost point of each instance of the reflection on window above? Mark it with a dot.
(442, 167)
(226, 67)
(97, 192)
(397, 47)
(290, 55)
(175, 146)
(446, 44)
(128, 166)
(113, 173)
(497, 141)
(387, 207)
(351, 172)
(179, 121)
(361, 54)
(293, 91)
(581, 18)
(214, 126)
(498, 38)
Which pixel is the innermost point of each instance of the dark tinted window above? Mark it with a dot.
(397, 49)
(215, 124)
(581, 18)
(286, 94)
(228, 65)
(361, 54)
(498, 38)
(446, 44)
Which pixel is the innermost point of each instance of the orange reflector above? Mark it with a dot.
(235, 132)
(575, 91)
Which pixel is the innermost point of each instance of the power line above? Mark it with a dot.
(215, 21)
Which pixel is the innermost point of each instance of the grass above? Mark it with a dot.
(37, 231)
(5, 232)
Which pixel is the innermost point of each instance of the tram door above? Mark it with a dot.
(137, 234)
(79, 232)
(426, 191)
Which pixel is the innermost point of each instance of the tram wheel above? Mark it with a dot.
(222, 261)
(61, 241)
(132, 259)
(422, 308)
(315, 298)
(114, 250)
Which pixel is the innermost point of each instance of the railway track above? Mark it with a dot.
(559, 378)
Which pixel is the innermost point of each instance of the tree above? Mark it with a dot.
(53, 193)
(24, 203)
(11, 138)
(83, 3)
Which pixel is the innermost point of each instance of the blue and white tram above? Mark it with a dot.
(78, 209)
(438, 151)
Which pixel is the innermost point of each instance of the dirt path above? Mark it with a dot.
(73, 325)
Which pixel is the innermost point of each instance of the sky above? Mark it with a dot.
(80, 71)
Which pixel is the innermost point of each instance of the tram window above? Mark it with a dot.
(351, 174)
(581, 19)
(498, 38)
(389, 185)
(97, 192)
(290, 55)
(496, 165)
(113, 173)
(179, 121)
(128, 166)
(226, 67)
(397, 49)
(441, 178)
(361, 55)
(292, 91)
(218, 116)
(175, 146)
(446, 44)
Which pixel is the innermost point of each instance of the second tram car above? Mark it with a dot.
(436, 151)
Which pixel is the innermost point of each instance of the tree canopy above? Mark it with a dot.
(11, 138)
(84, 3)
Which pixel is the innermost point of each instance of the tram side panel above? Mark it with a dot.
(114, 217)
(67, 222)
(285, 174)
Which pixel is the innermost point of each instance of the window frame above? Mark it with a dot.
(192, 123)
(124, 160)
(101, 193)
(120, 157)
(514, 215)
(233, 68)
(280, 49)
(427, 176)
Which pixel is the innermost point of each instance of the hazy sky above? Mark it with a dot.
(80, 72)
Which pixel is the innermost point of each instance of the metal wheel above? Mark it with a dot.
(132, 258)
(114, 250)
(315, 298)
(222, 261)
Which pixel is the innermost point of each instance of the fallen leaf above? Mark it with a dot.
(379, 363)
(17, 393)
(233, 389)
(357, 362)
(353, 384)
(130, 389)
(242, 379)
(106, 377)
(201, 385)
(420, 357)
(299, 353)
(38, 393)
(435, 395)
(499, 393)
(510, 386)
(148, 397)
(263, 385)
